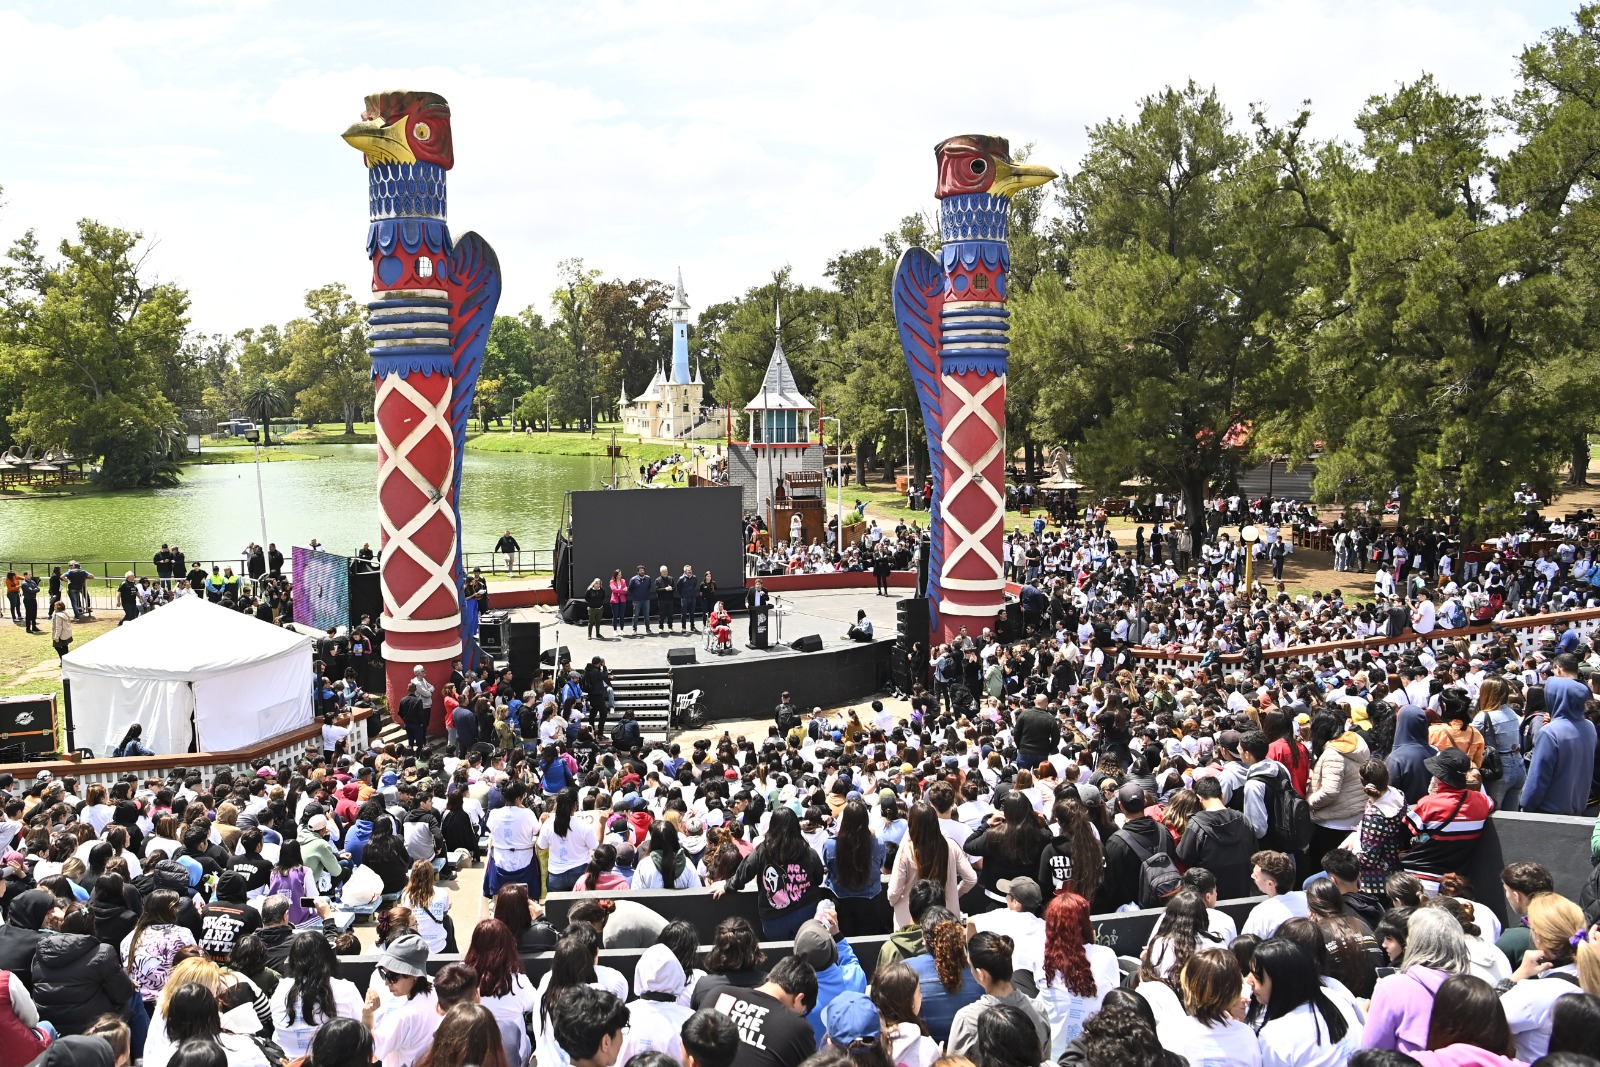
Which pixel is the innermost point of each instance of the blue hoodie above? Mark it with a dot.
(1406, 772)
(1562, 768)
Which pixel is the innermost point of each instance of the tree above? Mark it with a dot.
(88, 338)
(328, 358)
(1437, 321)
(1161, 351)
(572, 364)
(264, 400)
(629, 332)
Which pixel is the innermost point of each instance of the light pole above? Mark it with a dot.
(514, 415)
(254, 437)
(592, 399)
(905, 455)
(1249, 535)
(838, 477)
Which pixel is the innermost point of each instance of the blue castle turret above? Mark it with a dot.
(680, 334)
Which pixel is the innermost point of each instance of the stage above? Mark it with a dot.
(745, 682)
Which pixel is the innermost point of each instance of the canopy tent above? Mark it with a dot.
(191, 673)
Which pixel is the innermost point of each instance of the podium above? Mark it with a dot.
(759, 637)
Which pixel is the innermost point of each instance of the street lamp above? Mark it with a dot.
(254, 437)
(1249, 535)
(838, 476)
(906, 455)
(592, 399)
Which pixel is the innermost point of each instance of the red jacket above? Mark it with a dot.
(1295, 759)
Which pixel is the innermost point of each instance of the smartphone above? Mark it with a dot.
(309, 903)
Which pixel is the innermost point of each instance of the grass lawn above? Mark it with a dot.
(229, 454)
(28, 663)
(332, 433)
(571, 443)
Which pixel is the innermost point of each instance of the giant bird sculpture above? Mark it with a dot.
(952, 318)
(432, 302)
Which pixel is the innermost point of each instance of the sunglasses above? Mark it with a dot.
(391, 976)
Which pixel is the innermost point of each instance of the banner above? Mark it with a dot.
(321, 588)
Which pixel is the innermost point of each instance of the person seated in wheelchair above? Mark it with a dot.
(721, 625)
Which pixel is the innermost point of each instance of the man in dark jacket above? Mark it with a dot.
(597, 688)
(1120, 883)
(19, 937)
(1562, 767)
(1220, 840)
(639, 590)
(414, 714)
(1406, 772)
(666, 597)
(625, 736)
(1037, 733)
(466, 724)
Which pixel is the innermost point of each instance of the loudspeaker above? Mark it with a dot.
(27, 726)
(808, 643)
(575, 612)
(911, 621)
(522, 654)
(494, 633)
(553, 656)
(366, 596)
(679, 656)
(924, 546)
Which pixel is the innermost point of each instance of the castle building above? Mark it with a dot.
(670, 407)
(780, 466)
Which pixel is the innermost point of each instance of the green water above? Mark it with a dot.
(214, 514)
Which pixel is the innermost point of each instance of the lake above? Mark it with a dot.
(213, 514)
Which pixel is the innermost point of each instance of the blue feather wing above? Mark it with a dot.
(472, 277)
(918, 283)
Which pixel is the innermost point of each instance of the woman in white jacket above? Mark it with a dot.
(897, 991)
(927, 853)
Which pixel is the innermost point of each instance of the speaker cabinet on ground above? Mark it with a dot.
(574, 612)
(494, 633)
(557, 655)
(679, 656)
(522, 653)
(27, 727)
(808, 643)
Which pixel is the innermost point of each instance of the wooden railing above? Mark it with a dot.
(285, 747)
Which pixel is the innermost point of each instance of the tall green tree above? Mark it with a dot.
(328, 361)
(630, 333)
(89, 338)
(1181, 261)
(264, 400)
(1436, 317)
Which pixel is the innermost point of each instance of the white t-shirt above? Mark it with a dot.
(1065, 1011)
(1300, 1039)
(1265, 918)
(403, 1030)
(1026, 932)
(572, 851)
(1222, 925)
(1528, 1005)
(295, 1038)
(512, 833)
(332, 735)
(430, 919)
(1232, 1044)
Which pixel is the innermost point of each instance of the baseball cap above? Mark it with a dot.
(658, 971)
(814, 944)
(851, 1017)
(405, 954)
(1024, 891)
(1228, 740)
(317, 823)
(1131, 797)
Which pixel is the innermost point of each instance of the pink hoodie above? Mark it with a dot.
(1463, 1056)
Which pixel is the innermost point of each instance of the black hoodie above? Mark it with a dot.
(1222, 842)
(19, 937)
(76, 980)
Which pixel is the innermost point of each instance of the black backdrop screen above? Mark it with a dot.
(622, 528)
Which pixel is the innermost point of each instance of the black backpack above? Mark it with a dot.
(1289, 823)
(1158, 874)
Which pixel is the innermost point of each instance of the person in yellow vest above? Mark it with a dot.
(214, 585)
(230, 585)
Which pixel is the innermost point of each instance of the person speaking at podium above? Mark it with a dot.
(759, 603)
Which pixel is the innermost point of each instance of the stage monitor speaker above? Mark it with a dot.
(27, 726)
(808, 643)
(522, 654)
(559, 654)
(677, 657)
(575, 612)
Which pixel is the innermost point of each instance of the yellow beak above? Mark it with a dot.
(380, 143)
(1011, 178)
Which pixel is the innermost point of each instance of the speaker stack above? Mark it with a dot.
(911, 627)
(522, 653)
(677, 657)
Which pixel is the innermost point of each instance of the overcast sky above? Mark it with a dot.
(726, 138)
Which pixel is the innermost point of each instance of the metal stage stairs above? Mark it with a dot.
(648, 691)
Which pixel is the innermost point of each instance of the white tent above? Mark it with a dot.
(190, 672)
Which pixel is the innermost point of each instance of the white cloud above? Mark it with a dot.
(727, 138)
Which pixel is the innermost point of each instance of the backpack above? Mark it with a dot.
(1289, 823)
(1158, 874)
(1457, 615)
